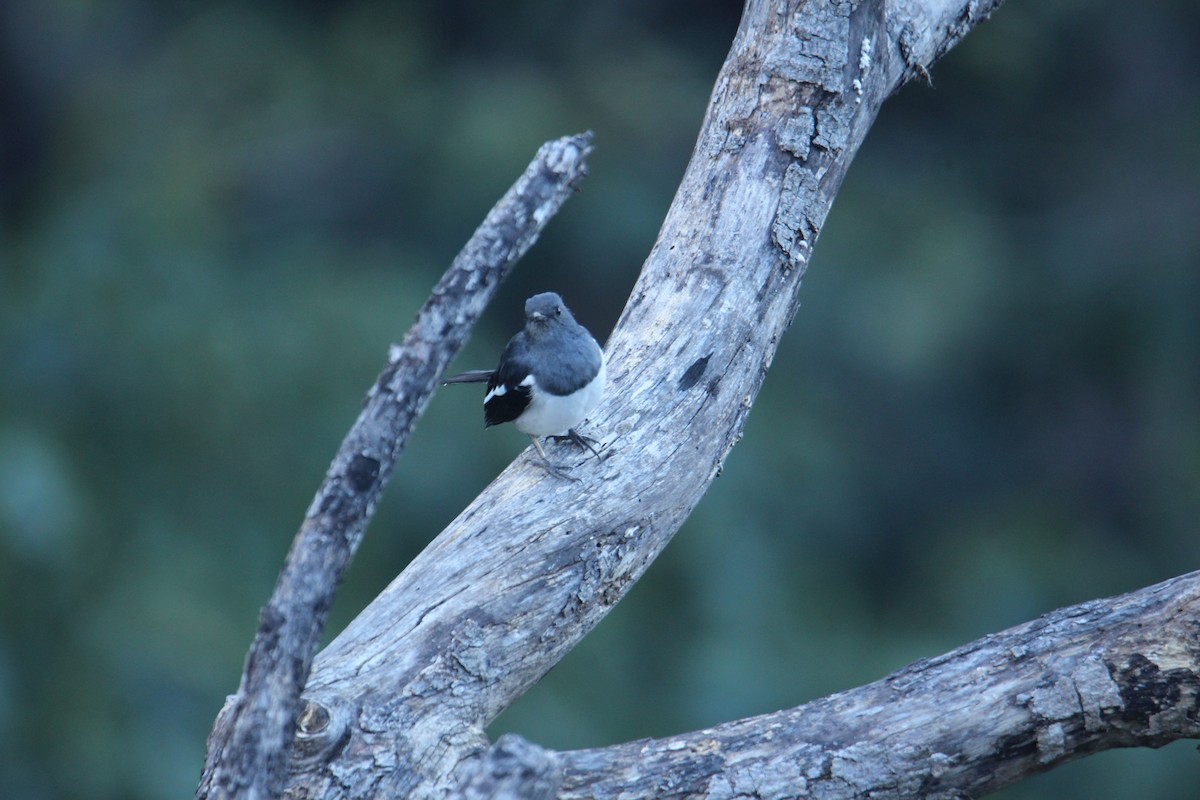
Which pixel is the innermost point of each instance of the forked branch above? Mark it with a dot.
(397, 705)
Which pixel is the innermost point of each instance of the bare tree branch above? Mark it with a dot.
(533, 564)
(247, 745)
(398, 703)
(1121, 672)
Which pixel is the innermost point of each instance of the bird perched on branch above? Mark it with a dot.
(550, 376)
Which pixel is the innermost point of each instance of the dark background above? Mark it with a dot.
(216, 216)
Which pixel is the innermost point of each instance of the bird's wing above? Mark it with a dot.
(509, 391)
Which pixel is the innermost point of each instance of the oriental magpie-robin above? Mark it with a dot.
(550, 376)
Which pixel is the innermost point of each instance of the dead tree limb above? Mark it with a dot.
(246, 747)
(397, 705)
(1120, 672)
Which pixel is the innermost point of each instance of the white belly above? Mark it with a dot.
(551, 415)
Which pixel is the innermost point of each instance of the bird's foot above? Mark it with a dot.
(578, 440)
(557, 471)
(550, 467)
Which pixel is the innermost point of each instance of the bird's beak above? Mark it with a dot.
(537, 315)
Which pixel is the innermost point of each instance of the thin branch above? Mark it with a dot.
(248, 742)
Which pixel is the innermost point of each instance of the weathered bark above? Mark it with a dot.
(397, 705)
(1122, 672)
(253, 731)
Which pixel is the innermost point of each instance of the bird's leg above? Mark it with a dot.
(578, 440)
(538, 446)
(553, 470)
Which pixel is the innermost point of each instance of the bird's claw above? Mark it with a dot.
(578, 440)
(557, 471)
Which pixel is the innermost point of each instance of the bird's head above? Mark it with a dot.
(545, 309)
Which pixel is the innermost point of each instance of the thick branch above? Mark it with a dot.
(534, 563)
(247, 745)
(1121, 672)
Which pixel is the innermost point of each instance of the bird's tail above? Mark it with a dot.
(474, 376)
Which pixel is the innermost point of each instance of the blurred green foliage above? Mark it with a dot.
(216, 216)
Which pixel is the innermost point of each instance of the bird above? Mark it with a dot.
(550, 377)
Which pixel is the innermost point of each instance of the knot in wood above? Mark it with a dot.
(320, 732)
